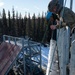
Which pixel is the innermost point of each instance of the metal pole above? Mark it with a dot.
(15, 41)
(31, 73)
(71, 4)
(61, 2)
(9, 39)
(24, 63)
(40, 57)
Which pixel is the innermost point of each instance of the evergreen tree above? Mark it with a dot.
(34, 27)
(13, 23)
(1, 28)
(4, 23)
(45, 27)
(9, 23)
(42, 26)
(38, 28)
(29, 27)
(20, 25)
(17, 24)
(24, 27)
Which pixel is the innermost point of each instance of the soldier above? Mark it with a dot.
(64, 12)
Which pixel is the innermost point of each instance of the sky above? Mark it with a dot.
(27, 6)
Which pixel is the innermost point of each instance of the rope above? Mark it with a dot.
(42, 42)
(45, 34)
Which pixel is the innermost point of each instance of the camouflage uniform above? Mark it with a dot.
(68, 14)
(68, 17)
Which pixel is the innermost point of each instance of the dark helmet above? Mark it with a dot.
(51, 5)
(54, 3)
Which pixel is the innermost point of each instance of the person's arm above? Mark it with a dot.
(69, 17)
(55, 18)
(63, 24)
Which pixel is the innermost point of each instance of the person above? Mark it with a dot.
(51, 19)
(66, 14)
(67, 18)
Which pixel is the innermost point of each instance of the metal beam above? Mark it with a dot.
(61, 2)
(71, 4)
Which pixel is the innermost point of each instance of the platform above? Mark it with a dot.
(8, 53)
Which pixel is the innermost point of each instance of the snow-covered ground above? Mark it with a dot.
(44, 54)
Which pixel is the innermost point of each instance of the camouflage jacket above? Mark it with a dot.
(68, 17)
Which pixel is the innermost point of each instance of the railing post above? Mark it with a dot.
(3, 38)
(67, 39)
(15, 41)
(8, 38)
(71, 4)
(23, 57)
(40, 57)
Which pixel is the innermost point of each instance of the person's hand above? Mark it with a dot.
(53, 27)
(58, 22)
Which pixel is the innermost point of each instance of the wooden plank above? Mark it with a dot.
(4, 55)
(8, 53)
(12, 57)
(7, 64)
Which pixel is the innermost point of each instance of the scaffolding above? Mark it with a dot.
(29, 56)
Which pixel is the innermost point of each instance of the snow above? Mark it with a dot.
(44, 54)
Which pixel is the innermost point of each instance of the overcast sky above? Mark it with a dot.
(29, 6)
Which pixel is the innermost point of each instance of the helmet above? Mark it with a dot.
(54, 3)
(48, 15)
